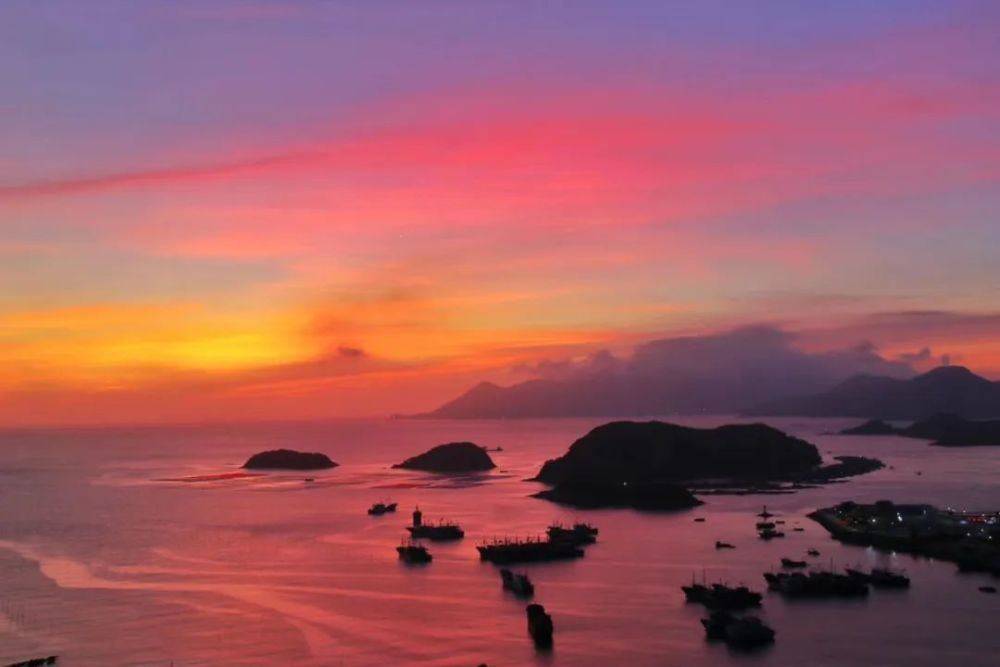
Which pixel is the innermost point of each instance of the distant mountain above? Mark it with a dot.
(718, 373)
(947, 389)
(945, 430)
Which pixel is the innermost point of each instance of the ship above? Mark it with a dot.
(539, 625)
(720, 596)
(580, 533)
(517, 583)
(815, 584)
(747, 632)
(413, 553)
(723, 545)
(434, 531)
(716, 623)
(789, 563)
(504, 551)
(379, 509)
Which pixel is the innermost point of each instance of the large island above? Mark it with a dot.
(651, 465)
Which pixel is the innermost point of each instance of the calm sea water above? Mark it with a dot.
(103, 563)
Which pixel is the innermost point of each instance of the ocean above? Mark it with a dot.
(107, 559)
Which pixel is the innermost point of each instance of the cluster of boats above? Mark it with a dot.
(722, 623)
(818, 584)
(559, 542)
(725, 602)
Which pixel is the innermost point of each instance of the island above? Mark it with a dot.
(288, 459)
(453, 457)
(944, 430)
(652, 465)
(970, 539)
(871, 427)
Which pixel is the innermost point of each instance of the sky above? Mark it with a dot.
(268, 210)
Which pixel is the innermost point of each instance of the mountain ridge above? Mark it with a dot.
(945, 389)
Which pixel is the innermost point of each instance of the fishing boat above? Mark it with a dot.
(410, 552)
(517, 583)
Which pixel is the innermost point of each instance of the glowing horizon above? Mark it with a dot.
(275, 210)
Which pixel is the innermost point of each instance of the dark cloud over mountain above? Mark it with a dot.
(722, 372)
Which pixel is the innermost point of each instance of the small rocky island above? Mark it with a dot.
(871, 427)
(944, 430)
(650, 465)
(453, 457)
(288, 459)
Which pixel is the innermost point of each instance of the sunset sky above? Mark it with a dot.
(214, 211)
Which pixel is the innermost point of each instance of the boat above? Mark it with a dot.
(886, 578)
(788, 562)
(798, 529)
(504, 551)
(764, 514)
(699, 519)
(440, 531)
(716, 623)
(517, 583)
(723, 545)
(769, 534)
(539, 625)
(815, 584)
(580, 533)
(720, 596)
(48, 660)
(413, 553)
(880, 577)
(813, 552)
(747, 632)
(765, 525)
(379, 509)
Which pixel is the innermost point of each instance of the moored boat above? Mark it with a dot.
(517, 583)
(413, 553)
(504, 551)
(580, 533)
(748, 631)
(379, 509)
(443, 530)
(720, 596)
(540, 625)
